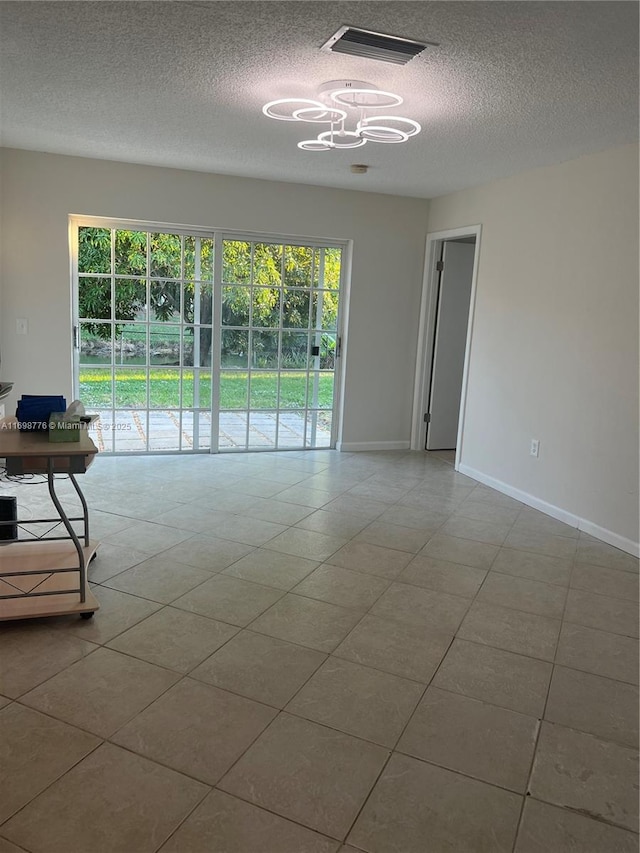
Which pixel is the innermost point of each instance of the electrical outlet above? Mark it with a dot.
(535, 447)
(22, 327)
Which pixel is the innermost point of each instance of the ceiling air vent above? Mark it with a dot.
(370, 45)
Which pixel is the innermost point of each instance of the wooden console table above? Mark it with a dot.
(46, 576)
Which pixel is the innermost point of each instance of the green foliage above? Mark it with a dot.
(263, 282)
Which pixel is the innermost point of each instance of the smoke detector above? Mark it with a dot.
(370, 45)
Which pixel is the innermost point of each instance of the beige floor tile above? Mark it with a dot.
(358, 505)
(148, 537)
(483, 511)
(414, 804)
(260, 667)
(478, 555)
(538, 522)
(209, 729)
(549, 829)
(308, 773)
(228, 599)
(224, 823)
(386, 493)
(476, 530)
(358, 700)
(342, 525)
(8, 847)
(430, 502)
(222, 500)
(305, 496)
(599, 652)
(601, 554)
(605, 581)
(543, 599)
(501, 678)
(413, 605)
(371, 559)
(111, 559)
(35, 751)
(412, 651)
(480, 740)
(511, 630)
(536, 567)
(280, 512)
(495, 675)
(541, 543)
(112, 802)
(32, 652)
(101, 692)
(342, 587)
(305, 543)
(192, 517)
(174, 639)
(590, 703)
(582, 772)
(271, 568)
(394, 536)
(118, 611)
(602, 612)
(441, 484)
(410, 516)
(255, 486)
(159, 579)
(247, 531)
(443, 576)
(208, 552)
(308, 622)
(142, 505)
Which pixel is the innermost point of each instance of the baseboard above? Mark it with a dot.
(556, 512)
(372, 445)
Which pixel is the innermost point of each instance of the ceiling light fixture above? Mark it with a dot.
(346, 102)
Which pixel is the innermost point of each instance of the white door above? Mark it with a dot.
(450, 341)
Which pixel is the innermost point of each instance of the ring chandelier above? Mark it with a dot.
(352, 113)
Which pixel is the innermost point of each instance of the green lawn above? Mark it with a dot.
(131, 389)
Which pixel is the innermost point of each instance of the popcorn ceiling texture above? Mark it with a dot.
(511, 86)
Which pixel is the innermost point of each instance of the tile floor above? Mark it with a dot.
(323, 652)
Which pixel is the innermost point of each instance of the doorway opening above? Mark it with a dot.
(444, 344)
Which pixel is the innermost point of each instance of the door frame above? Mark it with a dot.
(427, 331)
(218, 234)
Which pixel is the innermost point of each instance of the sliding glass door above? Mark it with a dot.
(188, 341)
(278, 344)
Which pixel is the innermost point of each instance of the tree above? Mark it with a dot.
(180, 272)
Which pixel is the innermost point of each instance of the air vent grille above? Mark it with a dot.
(370, 45)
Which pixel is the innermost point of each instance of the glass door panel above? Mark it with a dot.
(279, 331)
(176, 352)
(145, 340)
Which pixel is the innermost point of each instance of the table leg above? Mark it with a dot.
(65, 520)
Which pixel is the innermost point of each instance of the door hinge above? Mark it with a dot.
(76, 337)
(338, 346)
(427, 418)
(440, 266)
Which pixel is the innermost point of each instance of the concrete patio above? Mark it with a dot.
(129, 433)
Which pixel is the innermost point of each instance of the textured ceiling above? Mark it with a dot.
(511, 86)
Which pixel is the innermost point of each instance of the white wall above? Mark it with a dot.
(39, 191)
(555, 346)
